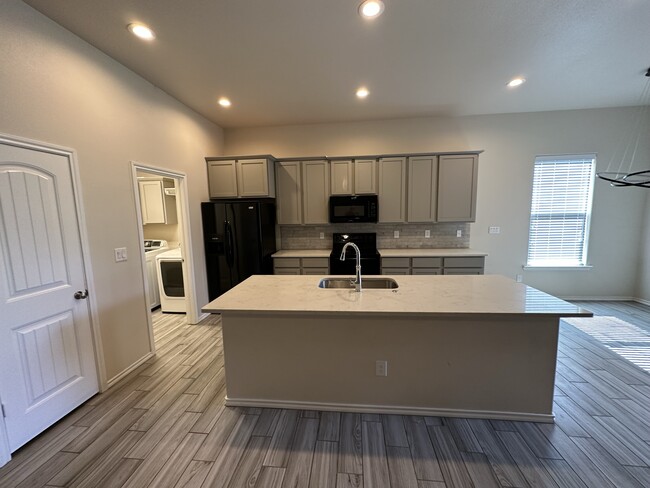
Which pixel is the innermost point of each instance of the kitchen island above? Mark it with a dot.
(469, 346)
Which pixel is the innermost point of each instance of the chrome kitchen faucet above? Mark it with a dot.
(357, 279)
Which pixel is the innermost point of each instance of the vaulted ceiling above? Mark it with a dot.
(300, 61)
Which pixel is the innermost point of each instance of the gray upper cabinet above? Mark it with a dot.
(222, 179)
(457, 182)
(289, 200)
(358, 177)
(392, 190)
(365, 176)
(315, 192)
(303, 192)
(423, 188)
(341, 177)
(241, 178)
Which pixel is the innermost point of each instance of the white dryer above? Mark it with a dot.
(170, 280)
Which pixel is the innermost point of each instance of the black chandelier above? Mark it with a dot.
(624, 175)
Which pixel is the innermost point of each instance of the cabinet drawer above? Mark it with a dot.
(395, 271)
(286, 263)
(468, 262)
(315, 263)
(427, 271)
(463, 271)
(427, 262)
(315, 271)
(395, 262)
(286, 271)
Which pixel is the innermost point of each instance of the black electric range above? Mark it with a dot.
(367, 244)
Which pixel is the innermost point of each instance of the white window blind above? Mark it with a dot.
(560, 210)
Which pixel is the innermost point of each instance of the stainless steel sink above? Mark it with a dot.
(367, 283)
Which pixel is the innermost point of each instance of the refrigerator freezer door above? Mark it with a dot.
(219, 271)
(246, 230)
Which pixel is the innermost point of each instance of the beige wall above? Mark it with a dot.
(511, 142)
(56, 88)
(643, 289)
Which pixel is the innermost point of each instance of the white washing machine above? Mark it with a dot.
(152, 248)
(170, 280)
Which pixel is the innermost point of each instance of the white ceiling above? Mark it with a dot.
(301, 61)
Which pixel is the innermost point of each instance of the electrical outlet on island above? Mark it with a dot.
(459, 233)
(381, 368)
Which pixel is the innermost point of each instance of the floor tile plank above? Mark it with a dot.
(350, 448)
(324, 464)
(375, 463)
(425, 460)
(234, 448)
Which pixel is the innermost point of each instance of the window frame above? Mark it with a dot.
(555, 265)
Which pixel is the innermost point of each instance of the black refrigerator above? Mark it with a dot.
(239, 240)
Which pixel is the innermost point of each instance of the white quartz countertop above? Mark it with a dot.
(385, 253)
(416, 295)
(436, 253)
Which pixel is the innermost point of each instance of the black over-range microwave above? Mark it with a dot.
(359, 208)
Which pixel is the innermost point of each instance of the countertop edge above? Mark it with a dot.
(347, 313)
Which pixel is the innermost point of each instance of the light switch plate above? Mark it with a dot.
(120, 254)
(396, 234)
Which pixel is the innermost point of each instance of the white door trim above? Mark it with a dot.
(193, 315)
(71, 155)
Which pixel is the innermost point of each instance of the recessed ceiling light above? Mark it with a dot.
(141, 31)
(516, 82)
(224, 102)
(362, 92)
(371, 9)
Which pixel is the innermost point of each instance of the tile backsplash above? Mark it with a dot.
(411, 236)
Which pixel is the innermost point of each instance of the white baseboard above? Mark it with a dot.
(391, 409)
(128, 370)
(642, 301)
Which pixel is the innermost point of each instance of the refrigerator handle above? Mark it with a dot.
(230, 255)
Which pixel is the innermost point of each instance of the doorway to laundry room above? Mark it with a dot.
(161, 204)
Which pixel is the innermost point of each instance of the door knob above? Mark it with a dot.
(80, 295)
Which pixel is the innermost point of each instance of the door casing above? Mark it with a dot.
(193, 313)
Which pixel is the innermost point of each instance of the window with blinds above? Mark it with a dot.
(561, 210)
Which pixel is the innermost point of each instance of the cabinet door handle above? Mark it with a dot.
(81, 295)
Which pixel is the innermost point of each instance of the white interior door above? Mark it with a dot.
(47, 361)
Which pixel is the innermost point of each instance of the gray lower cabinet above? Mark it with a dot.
(471, 265)
(432, 265)
(301, 266)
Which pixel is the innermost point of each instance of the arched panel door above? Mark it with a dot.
(47, 361)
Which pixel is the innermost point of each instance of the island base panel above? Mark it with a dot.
(472, 367)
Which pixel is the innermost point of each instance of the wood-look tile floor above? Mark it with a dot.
(166, 425)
